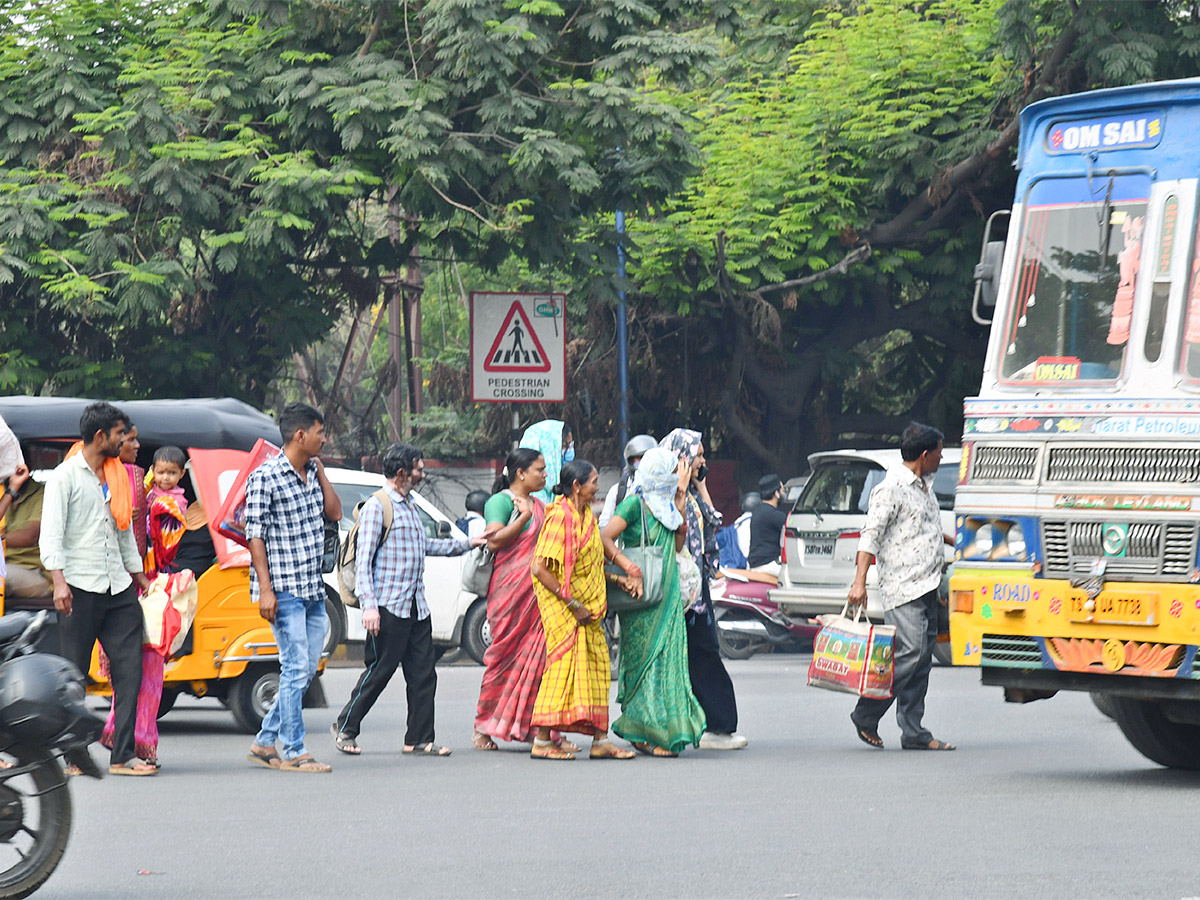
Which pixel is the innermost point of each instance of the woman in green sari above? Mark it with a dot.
(659, 714)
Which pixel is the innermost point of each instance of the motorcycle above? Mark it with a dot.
(749, 621)
(42, 719)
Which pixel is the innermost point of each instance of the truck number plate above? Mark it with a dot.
(1116, 609)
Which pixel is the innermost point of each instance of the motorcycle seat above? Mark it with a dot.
(751, 575)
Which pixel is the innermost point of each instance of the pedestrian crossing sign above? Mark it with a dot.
(518, 348)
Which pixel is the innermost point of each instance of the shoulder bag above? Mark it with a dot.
(481, 562)
(647, 558)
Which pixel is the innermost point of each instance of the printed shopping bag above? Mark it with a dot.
(853, 655)
(231, 517)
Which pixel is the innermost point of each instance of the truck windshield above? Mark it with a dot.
(1074, 283)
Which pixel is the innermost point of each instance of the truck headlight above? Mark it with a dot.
(996, 539)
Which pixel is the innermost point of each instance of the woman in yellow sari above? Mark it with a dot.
(568, 578)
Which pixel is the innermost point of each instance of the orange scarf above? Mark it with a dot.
(120, 491)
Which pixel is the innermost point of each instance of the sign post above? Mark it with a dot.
(518, 348)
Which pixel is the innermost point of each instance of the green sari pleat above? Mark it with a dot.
(654, 689)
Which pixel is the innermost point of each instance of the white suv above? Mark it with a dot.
(458, 617)
(820, 540)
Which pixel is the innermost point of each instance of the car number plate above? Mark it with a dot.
(818, 549)
(1116, 609)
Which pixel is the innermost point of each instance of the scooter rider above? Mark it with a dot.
(635, 449)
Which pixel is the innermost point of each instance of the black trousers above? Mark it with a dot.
(400, 642)
(116, 620)
(710, 682)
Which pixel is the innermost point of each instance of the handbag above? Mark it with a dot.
(853, 655)
(650, 561)
(481, 562)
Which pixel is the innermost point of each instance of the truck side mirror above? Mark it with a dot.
(987, 272)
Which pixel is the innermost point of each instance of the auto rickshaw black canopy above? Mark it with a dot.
(210, 423)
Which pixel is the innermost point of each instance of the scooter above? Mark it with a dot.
(748, 621)
(42, 719)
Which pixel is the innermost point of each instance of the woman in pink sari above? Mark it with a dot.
(516, 658)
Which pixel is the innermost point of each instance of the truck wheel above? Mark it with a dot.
(336, 611)
(1103, 703)
(1156, 737)
(251, 695)
(476, 632)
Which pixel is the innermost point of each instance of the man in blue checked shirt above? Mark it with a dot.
(390, 581)
(287, 500)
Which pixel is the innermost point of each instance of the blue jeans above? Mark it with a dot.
(916, 634)
(300, 635)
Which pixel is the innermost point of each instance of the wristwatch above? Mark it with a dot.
(10, 492)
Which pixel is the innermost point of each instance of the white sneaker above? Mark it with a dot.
(714, 740)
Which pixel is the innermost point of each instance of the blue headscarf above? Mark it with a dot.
(656, 481)
(546, 437)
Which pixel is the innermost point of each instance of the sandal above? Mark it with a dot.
(305, 763)
(72, 770)
(547, 750)
(344, 742)
(563, 743)
(482, 741)
(653, 749)
(869, 737)
(934, 744)
(268, 760)
(134, 767)
(612, 751)
(427, 749)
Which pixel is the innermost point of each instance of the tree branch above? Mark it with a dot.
(857, 255)
(373, 33)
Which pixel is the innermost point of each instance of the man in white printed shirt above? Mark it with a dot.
(903, 533)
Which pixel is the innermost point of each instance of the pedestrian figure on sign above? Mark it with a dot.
(903, 534)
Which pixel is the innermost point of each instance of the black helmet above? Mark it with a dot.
(476, 500)
(750, 500)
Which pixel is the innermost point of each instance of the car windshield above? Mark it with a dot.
(840, 487)
(1072, 301)
(845, 487)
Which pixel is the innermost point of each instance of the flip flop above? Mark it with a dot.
(266, 760)
(133, 767)
(934, 744)
(563, 744)
(653, 750)
(427, 749)
(305, 763)
(344, 742)
(870, 738)
(548, 751)
(483, 742)
(614, 751)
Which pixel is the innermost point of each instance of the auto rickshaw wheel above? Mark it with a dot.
(167, 701)
(251, 695)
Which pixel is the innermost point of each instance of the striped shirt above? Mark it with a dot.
(288, 515)
(396, 580)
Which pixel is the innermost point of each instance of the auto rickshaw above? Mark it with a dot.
(229, 653)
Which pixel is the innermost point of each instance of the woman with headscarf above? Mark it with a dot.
(554, 440)
(568, 576)
(710, 682)
(659, 713)
(516, 658)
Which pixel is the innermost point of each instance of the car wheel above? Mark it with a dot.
(251, 695)
(476, 632)
(335, 632)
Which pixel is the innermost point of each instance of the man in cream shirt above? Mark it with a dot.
(89, 550)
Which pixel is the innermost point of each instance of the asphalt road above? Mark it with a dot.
(1044, 800)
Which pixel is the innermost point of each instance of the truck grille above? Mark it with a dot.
(1113, 465)
(994, 463)
(1011, 651)
(1152, 550)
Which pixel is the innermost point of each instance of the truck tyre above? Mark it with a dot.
(1103, 702)
(251, 695)
(476, 633)
(1156, 737)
